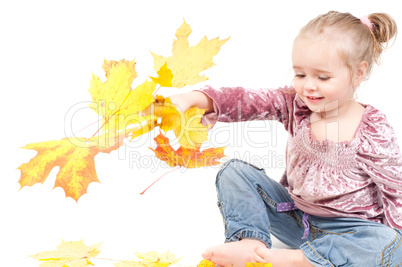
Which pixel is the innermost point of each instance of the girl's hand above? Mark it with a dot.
(184, 101)
(192, 99)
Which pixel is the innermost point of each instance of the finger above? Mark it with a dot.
(261, 254)
(207, 254)
(258, 258)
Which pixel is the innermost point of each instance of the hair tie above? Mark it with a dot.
(366, 21)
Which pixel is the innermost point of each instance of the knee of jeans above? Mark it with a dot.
(235, 172)
(226, 172)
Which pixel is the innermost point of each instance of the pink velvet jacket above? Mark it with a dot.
(358, 178)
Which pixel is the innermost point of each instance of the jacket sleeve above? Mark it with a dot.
(380, 158)
(233, 104)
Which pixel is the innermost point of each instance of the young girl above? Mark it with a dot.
(339, 202)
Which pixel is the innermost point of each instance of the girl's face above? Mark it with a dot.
(321, 79)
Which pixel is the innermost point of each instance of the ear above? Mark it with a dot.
(361, 72)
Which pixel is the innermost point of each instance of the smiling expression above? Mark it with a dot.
(322, 80)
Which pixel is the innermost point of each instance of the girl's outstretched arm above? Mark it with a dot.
(184, 101)
(192, 99)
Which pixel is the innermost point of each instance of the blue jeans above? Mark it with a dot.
(247, 199)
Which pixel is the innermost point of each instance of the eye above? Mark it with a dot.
(323, 78)
(298, 75)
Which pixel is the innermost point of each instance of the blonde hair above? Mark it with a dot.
(355, 41)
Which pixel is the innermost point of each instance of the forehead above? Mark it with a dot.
(316, 53)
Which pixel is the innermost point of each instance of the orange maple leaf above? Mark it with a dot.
(188, 158)
(74, 156)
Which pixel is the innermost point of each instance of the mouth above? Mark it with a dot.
(314, 99)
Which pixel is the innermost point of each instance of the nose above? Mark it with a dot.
(309, 84)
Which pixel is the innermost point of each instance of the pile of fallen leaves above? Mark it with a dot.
(120, 108)
(77, 254)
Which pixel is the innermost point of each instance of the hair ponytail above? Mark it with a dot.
(384, 29)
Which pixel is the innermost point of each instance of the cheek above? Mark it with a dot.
(333, 95)
(339, 91)
(298, 85)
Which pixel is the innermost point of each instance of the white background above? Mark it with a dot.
(49, 50)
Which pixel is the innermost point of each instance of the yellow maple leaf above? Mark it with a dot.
(146, 124)
(71, 254)
(165, 76)
(151, 259)
(171, 117)
(136, 101)
(206, 263)
(114, 100)
(187, 126)
(192, 133)
(108, 65)
(74, 156)
(187, 61)
(120, 75)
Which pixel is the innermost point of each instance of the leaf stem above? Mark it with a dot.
(107, 120)
(86, 127)
(157, 89)
(159, 179)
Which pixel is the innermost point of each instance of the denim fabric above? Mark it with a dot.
(248, 198)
